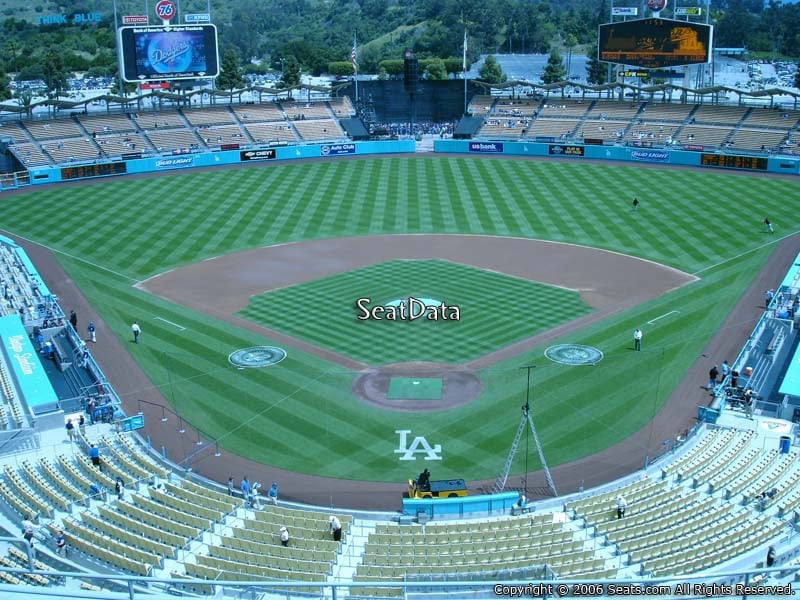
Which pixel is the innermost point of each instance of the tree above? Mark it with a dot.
(570, 42)
(596, 71)
(436, 69)
(554, 70)
(55, 75)
(230, 73)
(491, 71)
(290, 75)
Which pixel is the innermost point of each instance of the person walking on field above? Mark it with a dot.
(768, 226)
(136, 330)
(635, 204)
(92, 332)
(637, 339)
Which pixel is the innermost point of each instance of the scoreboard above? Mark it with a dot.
(98, 170)
(731, 161)
(655, 43)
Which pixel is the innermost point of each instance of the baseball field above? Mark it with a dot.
(698, 235)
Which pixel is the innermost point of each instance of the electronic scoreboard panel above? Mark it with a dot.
(655, 43)
(98, 170)
(731, 161)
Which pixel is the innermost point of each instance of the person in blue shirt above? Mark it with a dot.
(245, 486)
(272, 493)
(94, 455)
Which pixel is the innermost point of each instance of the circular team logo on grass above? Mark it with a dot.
(574, 354)
(257, 356)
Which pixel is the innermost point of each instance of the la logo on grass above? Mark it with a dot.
(419, 446)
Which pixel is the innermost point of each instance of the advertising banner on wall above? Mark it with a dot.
(565, 150)
(650, 155)
(266, 154)
(485, 146)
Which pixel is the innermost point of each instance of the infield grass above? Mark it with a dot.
(494, 311)
(300, 415)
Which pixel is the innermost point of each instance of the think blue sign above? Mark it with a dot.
(75, 19)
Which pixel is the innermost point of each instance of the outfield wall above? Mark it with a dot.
(172, 162)
(547, 147)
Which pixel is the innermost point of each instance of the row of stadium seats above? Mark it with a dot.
(88, 137)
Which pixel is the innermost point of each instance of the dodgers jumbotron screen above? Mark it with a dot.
(655, 43)
(156, 53)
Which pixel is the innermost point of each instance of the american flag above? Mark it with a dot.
(464, 63)
(354, 57)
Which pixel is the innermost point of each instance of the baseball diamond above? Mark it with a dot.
(198, 249)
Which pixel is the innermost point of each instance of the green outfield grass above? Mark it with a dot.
(300, 414)
(493, 311)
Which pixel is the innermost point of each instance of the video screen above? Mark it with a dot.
(655, 43)
(152, 54)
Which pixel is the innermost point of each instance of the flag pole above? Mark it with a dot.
(464, 71)
(354, 57)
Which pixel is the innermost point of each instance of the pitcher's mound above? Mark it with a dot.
(416, 386)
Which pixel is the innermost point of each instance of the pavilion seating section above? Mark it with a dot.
(657, 113)
(31, 155)
(107, 124)
(303, 111)
(506, 128)
(319, 130)
(117, 144)
(272, 132)
(342, 107)
(701, 135)
(13, 130)
(69, 150)
(764, 118)
(172, 140)
(218, 115)
(556, 128)
(564, 109)
(614, 111)
(480, 106)
(217, 135)
(168, 119)
(756, 139)
(53, 129)
(516, 108)
(719, 115)
(259, 113)
(606, 129)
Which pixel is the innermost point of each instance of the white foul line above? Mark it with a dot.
(672, 312)
(170, 322)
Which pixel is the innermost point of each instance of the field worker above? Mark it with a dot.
(336, 528)
(136, 330)
(712, 378)
(637, 339)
